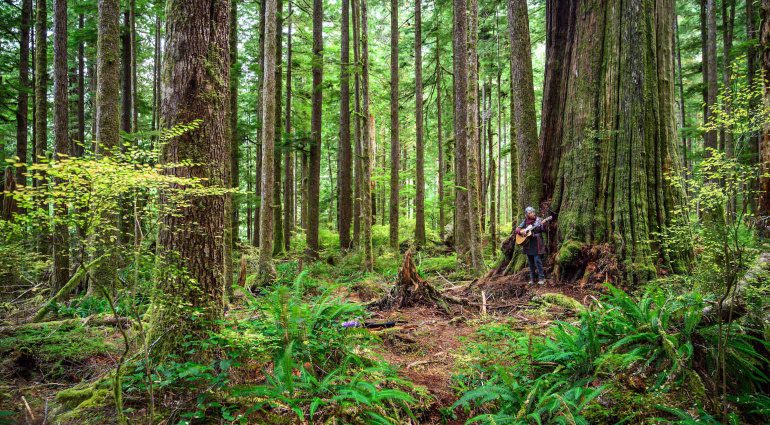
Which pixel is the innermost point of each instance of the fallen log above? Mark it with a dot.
(93, 320)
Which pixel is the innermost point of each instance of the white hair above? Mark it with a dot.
(529, 210)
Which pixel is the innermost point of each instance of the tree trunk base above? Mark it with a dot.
(411, 290)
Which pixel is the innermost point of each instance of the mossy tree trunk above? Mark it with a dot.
(345, 202)
(279, 145)
(523, 106)
(473, 143)
(314, 179)
(366, 140)
(60, 238)
(288, 161)
(460, 73)
(395, 148)
(419, 202)
(22, 110)
(358, 147)
(196, 78)
(608, 147)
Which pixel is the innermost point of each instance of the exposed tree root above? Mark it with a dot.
(411, 290)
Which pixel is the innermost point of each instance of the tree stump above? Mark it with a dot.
(411, 290)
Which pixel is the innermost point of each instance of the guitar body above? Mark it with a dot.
(521, 239)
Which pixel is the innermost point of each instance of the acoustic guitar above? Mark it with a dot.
(520, 239)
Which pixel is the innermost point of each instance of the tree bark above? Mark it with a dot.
(22, 110)
(288, 162)
(134, 52)
(763, 206)
(277, 211)
(125, 74)
(366, 164)
(710, 77)
(473, 162)
(41, 91)
(439, 137)
(61, 137)
(259, 126)
(529, 177)
(315, 133)
(344, 204)
(196, 78)
(395, 148)
(358, 147)
(266, 212)
(419, 201)
(728, 25)
(78, 147)
(235, 153)
(617, 132)
(460, 74)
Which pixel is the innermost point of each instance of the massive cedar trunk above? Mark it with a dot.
(196, 78)
(473, 162)
(395, 147)
(277, 211)
(315, 133)
(419, 201)
(460, 71)
(366, 149)
(344, 204)
(617, 133)
(529, 177)
(61, 136)
(288, 161)
(107, 124)
(22, 110)
(266, 212)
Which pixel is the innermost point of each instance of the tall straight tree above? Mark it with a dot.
(41, 82)
(61, 136)
(366, 151)
(523, 106)
(763, 206)
(266, 267)
(288, 162)
(395, 147)
(610, 184)
(77, 149)
(196, 78)
(357, 150)
(107, 124)
(439, 135)
(419, 201)
(710, 76)
(473, 153)
(276, 204)
(22, 110)
(259, 124)
(234, 136)
(126, 113)
(315, 133)
(344, 204)
(460, 71)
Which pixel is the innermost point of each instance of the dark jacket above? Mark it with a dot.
(535, 245)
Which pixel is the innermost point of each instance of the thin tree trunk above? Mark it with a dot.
(61, 137)
(259, 125)
(315, 133)
(460, 74)
(682, 107)
(22, 111)
(344, 204)
(366, 192)
(419, 202)
(358, 150)
(134, 50)
(235, 153)
(266, 212)
(190, 238)
(125, 75)
(277, 210)
(473, 142)
(728, 25)
(439, 137)
(751, 70)
(710, 141)
(288, 162)
(156, 76)
(77, 148)
(395, 148)
(41, 93)
(763, 207)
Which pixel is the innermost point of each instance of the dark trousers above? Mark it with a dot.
(535, 263)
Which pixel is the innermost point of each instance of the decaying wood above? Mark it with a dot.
(411, 290)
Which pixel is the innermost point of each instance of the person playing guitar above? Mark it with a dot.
(528, 236)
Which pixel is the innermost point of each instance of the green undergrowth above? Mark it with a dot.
(623, 360)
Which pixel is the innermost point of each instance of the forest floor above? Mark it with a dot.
(427, 343)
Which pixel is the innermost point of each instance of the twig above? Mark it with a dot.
(31, 415)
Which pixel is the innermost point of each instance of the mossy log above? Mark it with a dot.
(93, 320)
(747, 298)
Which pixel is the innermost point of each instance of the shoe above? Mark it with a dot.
(541, 282)
(531, 282)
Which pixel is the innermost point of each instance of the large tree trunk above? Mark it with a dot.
(419, 201)
(366, 151)
(315, 133)
(196, 78)
(344, 204)
(266, 212)
(22, 110)
(460, 71)
(529, 178)
(395, 148)
(288, 162)
(61, 266)
(617, 133)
